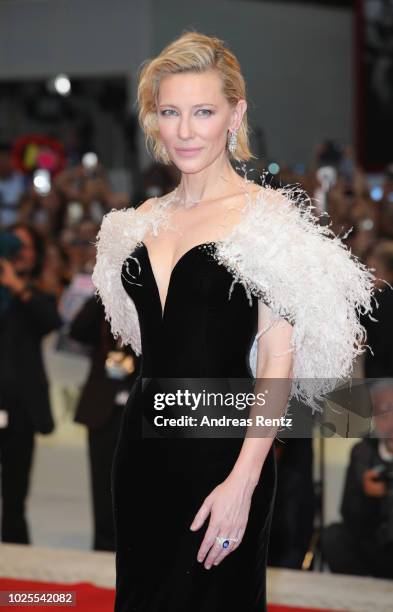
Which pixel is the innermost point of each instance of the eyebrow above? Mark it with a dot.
(194, 106)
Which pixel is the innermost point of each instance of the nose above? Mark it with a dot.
(185, 131)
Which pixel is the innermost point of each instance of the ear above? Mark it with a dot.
(237, 115)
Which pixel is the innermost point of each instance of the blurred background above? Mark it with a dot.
(320, 94)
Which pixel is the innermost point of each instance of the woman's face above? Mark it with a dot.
(194, 118)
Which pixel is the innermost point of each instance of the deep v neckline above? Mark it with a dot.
(173, 271)
(159, 215)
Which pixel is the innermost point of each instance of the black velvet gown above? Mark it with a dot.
(159, 483)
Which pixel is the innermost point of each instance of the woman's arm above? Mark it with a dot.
(229, 503)
(274, 371)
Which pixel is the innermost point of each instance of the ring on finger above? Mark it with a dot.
(225, 542)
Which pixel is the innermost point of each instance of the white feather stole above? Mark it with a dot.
(280, 253)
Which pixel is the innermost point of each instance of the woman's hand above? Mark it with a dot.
(228, 505)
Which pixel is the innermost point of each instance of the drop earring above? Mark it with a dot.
(232, 141)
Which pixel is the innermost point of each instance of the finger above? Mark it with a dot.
(201, 515)
(227, 551)
(208, 542)
(221, 553)
(224, 552)
(218, 550)
(215, 552)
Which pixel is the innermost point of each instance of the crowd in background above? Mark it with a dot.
(68, 215)
(47, 244)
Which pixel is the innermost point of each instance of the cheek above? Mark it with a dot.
(167, 130)
(214, 131)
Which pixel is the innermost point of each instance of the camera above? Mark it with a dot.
(385, 472)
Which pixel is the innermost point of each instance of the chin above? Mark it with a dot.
(191, 166)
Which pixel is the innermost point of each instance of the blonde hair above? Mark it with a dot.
(191, 52)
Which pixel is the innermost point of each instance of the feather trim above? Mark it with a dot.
(120, 232)
(121, 313)
(306, 274)
(280, 253)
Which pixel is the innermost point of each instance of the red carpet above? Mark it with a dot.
(90, 598)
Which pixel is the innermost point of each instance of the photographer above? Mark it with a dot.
(26, 315)
(100, 408)
(87, 192)
(363, 543)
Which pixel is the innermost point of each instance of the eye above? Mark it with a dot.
(205, 112)
(167, 112)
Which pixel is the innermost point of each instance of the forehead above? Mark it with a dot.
(191, 88)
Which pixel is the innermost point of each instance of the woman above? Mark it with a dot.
(192, 515)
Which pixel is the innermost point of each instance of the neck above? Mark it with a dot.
(215, 181)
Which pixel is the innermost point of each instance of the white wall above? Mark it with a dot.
(81, 37)
(296, 58)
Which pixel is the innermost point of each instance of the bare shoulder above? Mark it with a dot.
(245, 196)
(146, 206)
(244, 190)
(149, 205)
(252, 187)
(277, 197)
(256, 190)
